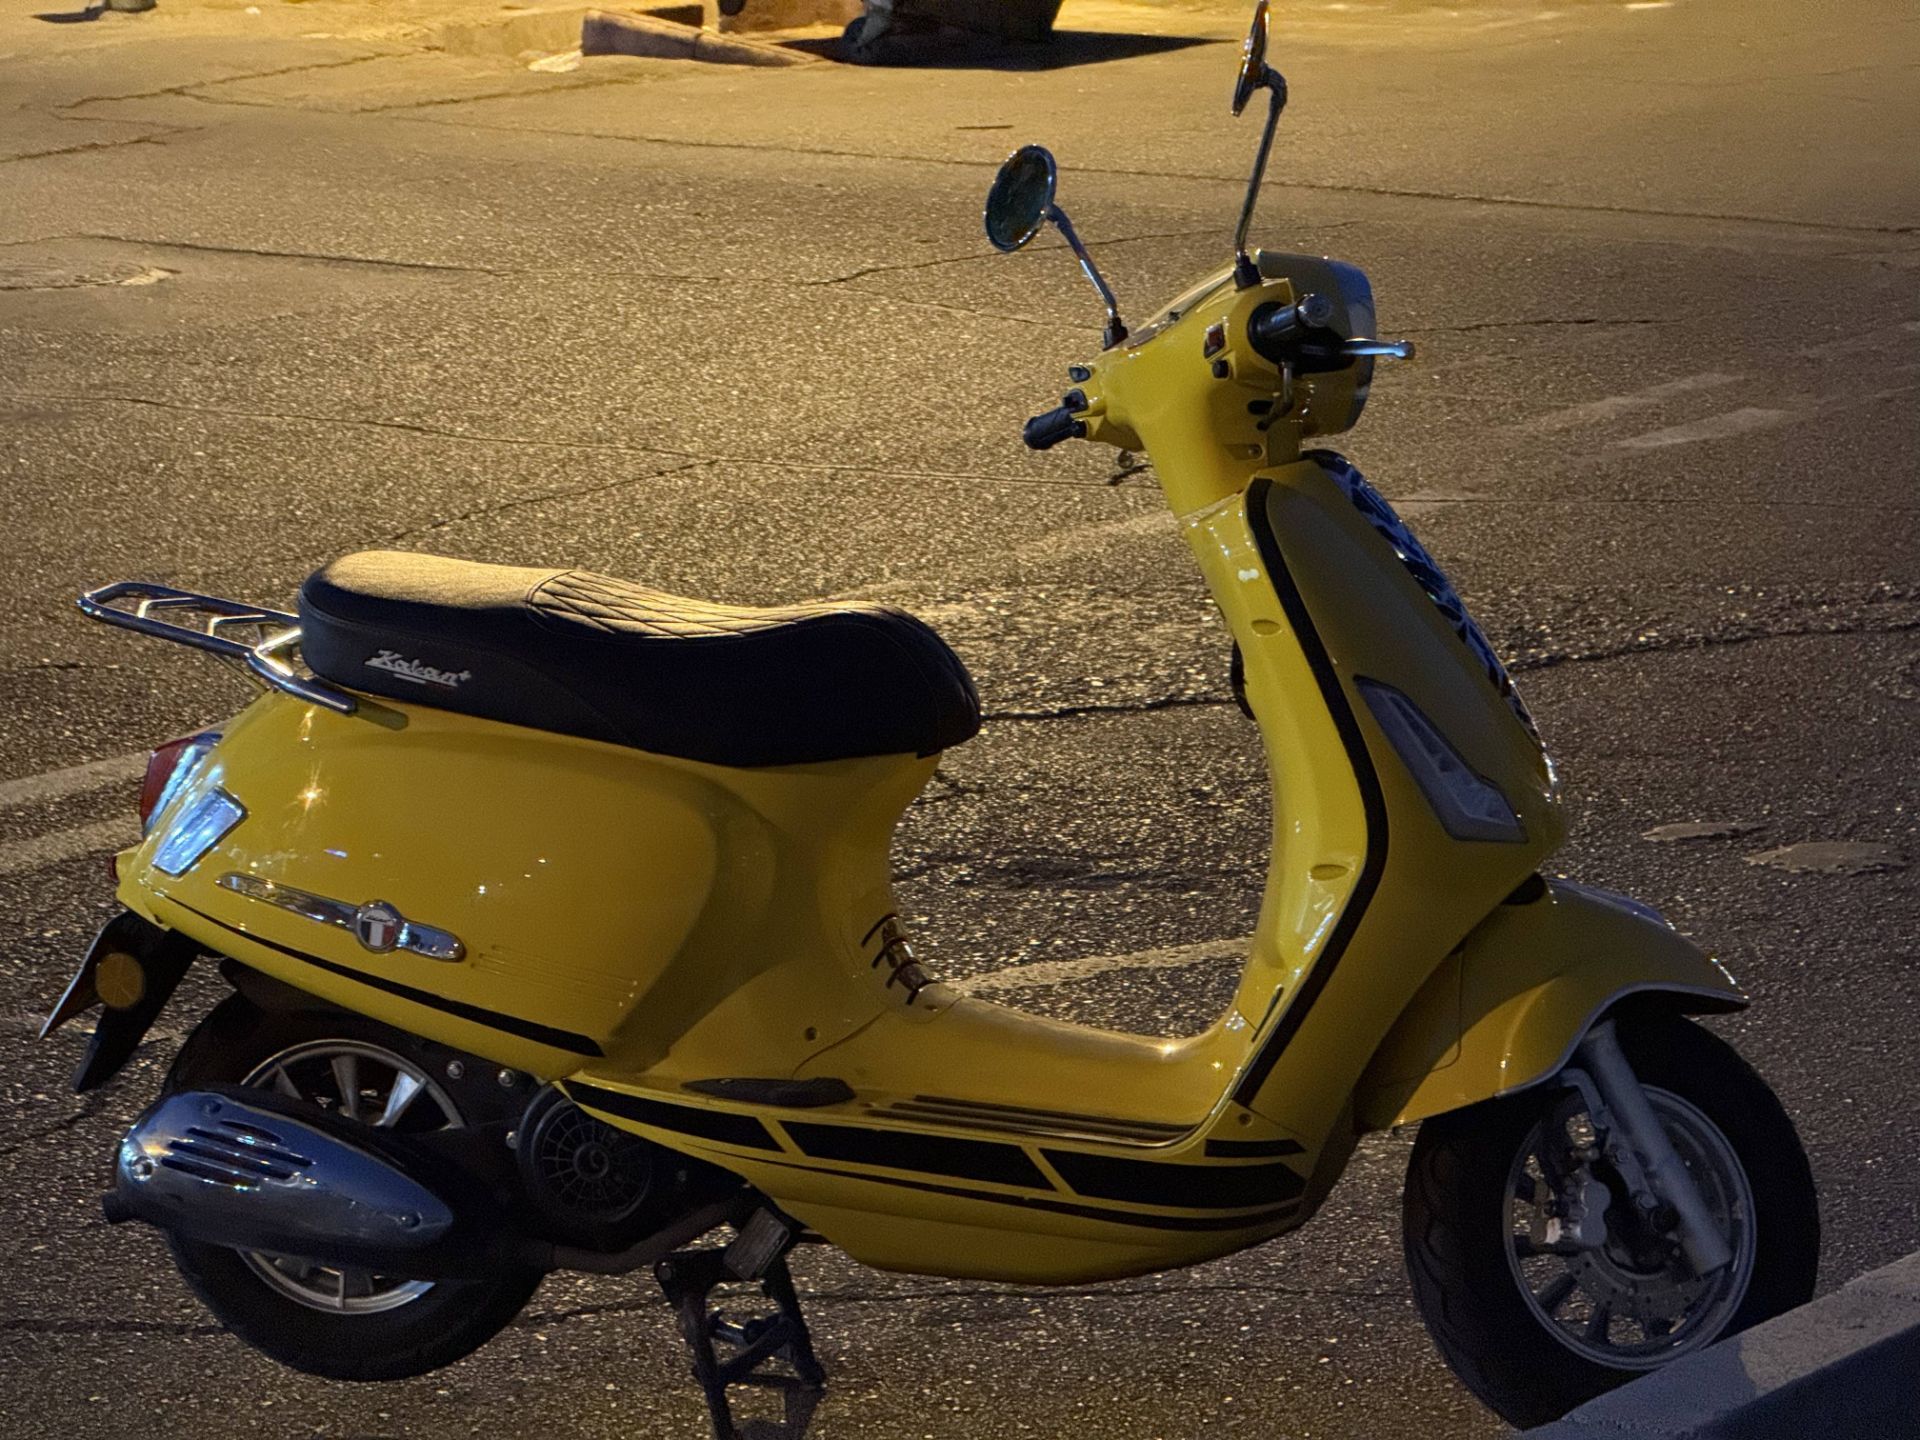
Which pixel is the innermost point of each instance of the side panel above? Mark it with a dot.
(1349, 604)
(610, 903)
(1507, 1008)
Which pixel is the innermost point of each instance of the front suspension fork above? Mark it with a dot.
(1645, 1157)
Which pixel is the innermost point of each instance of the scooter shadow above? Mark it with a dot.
(72, 17)
(958, 50)
(800, 1400)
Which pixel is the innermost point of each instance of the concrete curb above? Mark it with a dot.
(663, 32)
(1844, 1367)
(547, 29)
(615, 32)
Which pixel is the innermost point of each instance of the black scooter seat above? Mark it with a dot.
(584, 654)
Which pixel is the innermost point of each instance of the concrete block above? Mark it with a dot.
(1844, 1368)
(547, 29)
(617, 32)
(608, 33)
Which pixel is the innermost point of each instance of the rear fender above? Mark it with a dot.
(1507, 1008)
(129, 974)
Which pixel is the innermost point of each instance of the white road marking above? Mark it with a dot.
(1596, 411)
(1862, 340)
(1714, 427)
(1065, 972)
(56, 784)
(19, 856)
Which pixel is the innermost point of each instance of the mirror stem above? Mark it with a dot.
(1245, 272)
(1116, 331)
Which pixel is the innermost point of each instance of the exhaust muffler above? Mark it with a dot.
(253, 1171)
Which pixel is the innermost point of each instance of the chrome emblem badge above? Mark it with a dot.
(377, 925)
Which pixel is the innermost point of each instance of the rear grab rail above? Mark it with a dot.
(267, 636)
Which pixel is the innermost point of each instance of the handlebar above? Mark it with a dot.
(1273, 330)
(1295, 335)
(1050, 427)
(1298, 334)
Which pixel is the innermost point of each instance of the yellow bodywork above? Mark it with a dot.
(635, 925)
(1505, 1010)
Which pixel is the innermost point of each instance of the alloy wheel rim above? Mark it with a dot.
(374, 1086)
(1631, 1303)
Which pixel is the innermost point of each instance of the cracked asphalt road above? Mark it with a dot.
(732, 332)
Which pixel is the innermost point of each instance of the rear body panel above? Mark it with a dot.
(608, 902)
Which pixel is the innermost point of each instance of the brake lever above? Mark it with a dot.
(1379, 349)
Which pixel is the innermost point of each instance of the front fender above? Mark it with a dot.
(1507, 1007)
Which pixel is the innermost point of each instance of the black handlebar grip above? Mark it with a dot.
(1048, 429)
(1277, 330)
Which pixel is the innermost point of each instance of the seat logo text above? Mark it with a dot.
(418, 671)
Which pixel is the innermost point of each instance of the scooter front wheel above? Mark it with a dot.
(340, 1323)
(1540, 1280)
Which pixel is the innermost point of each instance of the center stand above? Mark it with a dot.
(689, 1278)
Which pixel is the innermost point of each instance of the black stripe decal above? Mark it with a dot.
(1248, 1149)
(1192, 1187)
(929, 1154)
(1013, 1125)
(1063, 1207)
(1372, 801)
(492, 1019)
(1023, 1112)
(723, 1126)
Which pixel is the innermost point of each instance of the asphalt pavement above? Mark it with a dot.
(279, 285)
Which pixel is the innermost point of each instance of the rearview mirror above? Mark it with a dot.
(1021, 196)
(1253, 60)
(1021, 202)
(1255, 74)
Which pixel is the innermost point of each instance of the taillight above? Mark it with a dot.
(168, 768)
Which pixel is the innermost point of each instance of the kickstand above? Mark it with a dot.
(689, 1278)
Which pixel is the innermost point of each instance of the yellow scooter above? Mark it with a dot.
(558, 918)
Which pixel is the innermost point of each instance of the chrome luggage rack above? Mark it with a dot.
(200, 620)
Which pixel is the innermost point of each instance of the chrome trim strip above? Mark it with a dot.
(412, 936)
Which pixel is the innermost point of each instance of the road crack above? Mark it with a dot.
(597, 275)
(187, 88)
(1106, 242)
(1671, 644)
(607, 447)
(154, 139)
(1544, 321)
(1117, 707)
(1238, 181)
(89, 1109)
(252, 252)
(521, 503)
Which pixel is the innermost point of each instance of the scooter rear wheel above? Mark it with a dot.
(1534, 1329)
(339, 1323)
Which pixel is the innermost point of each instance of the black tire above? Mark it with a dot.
(437, 1327)
(1456, 1222)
